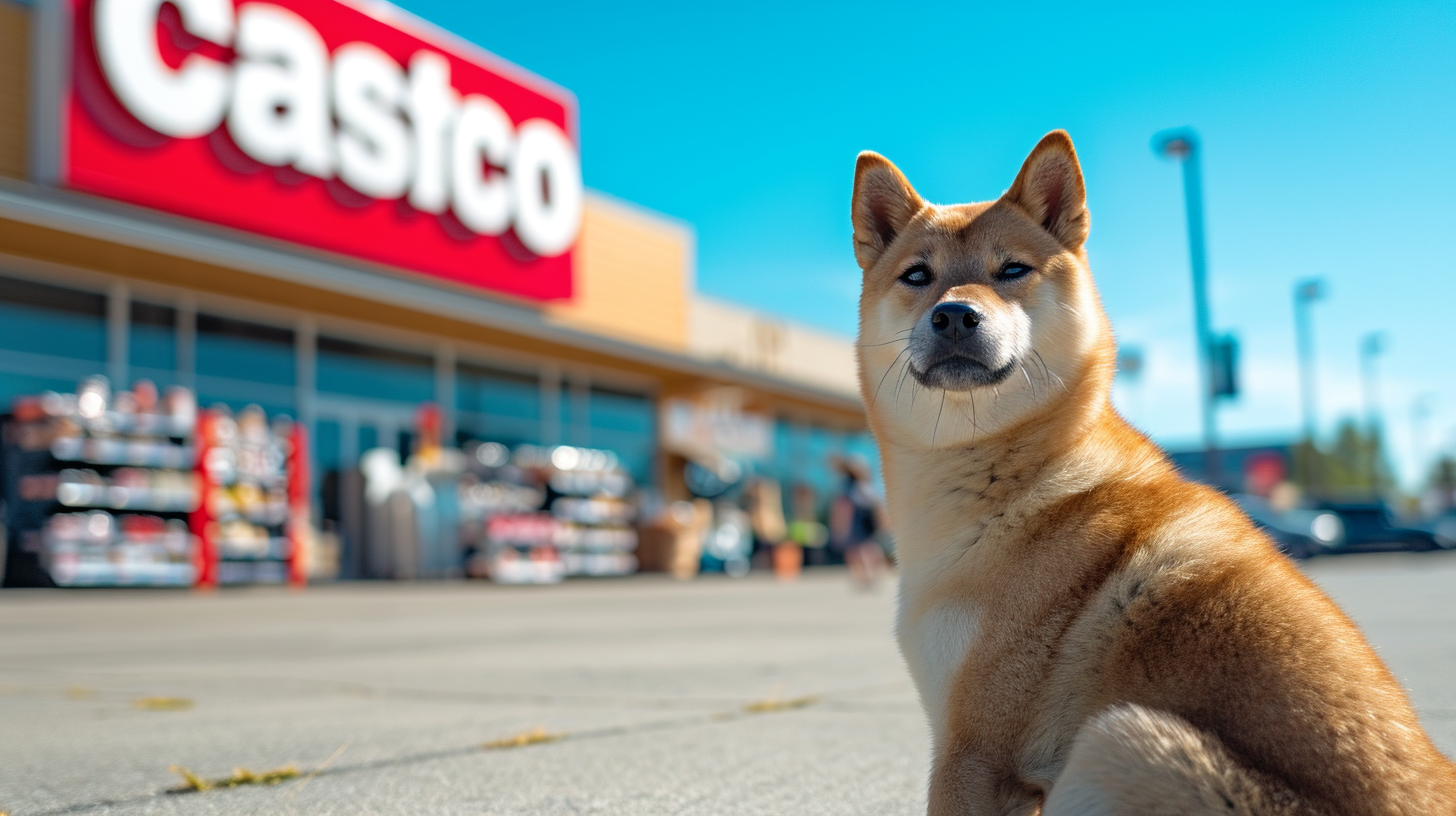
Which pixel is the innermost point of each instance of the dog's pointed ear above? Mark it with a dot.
(1049, 188)
(884, 202)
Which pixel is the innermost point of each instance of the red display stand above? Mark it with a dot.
(252, 517)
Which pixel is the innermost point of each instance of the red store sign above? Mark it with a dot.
(345, 125)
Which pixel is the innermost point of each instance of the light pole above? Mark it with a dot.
(1181, 144)
(1306, 293)
(1371, 346)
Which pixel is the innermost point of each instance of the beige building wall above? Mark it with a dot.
(740, 337)
(634, 276)
(14, 87)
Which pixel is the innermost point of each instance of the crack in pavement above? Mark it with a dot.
(357, 689)
(419, 757)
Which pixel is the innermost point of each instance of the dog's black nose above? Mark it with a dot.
(954, 320)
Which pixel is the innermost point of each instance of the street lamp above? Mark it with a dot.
(1306, 293)
(1371, 346)
(1181, 145)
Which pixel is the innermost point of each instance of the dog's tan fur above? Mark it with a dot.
(1090, 633)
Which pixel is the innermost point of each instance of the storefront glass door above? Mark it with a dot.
(344, 431)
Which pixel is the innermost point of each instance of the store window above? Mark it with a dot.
(50, 337)
(375, 372)
(626, 424)
(789, 463)
(368, 437)
(152, 347)
(804, 454)
(573, 414)
(39, 318)
(821, 447)
(241, 363)
(497, 405)
(328, 460)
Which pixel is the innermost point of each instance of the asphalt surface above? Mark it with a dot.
(712, 697)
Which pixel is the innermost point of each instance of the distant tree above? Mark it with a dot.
(1442, 486)
(1354, 466)
(1307, 468)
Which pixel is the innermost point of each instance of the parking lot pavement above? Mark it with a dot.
(1406, 603)
(640, 696)
(396, 687)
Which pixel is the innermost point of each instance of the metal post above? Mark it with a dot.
(1306, 293)
(305, 362)
(118, 335)
(445, 392)
(1182, 145)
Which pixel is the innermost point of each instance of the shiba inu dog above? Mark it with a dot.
(1089, 633)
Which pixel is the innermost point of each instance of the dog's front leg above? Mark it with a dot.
(971, 782)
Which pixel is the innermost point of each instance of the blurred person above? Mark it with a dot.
(761, 527)
(806, 531)
(856, 518)
(692, 521)
(771, 531)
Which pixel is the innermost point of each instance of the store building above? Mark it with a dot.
(339, 212)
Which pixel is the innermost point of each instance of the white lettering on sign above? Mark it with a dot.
(547, 215)
(480, 197)
(374, 146)
(280, 108)
(357, 114)
(189, 101)
(432, 104)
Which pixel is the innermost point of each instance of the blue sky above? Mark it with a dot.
(1328, 151)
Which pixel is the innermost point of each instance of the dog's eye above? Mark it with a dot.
(1012, 270)
(917, 275)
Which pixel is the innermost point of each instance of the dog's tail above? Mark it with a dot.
(1133, 760)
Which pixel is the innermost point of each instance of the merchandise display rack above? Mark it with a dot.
(252, 521)
(547, 513)
(594, 512)
(98, 487)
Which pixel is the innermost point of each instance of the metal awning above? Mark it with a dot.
(179, 237)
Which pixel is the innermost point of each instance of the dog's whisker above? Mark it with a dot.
(970, 419)
(1048, 370)
(897, 338)
(974, 426)
(875, 396)
(899, 383)
(936, 431)
(1029, 383)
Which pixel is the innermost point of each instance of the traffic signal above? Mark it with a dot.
(1224, 359)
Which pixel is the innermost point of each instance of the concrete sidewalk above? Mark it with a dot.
(382, 695)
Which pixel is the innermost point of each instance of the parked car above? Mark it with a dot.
(1369, 527)
(1443, 527)
(1298, 533)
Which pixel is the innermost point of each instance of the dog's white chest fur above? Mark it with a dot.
(936, 642)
